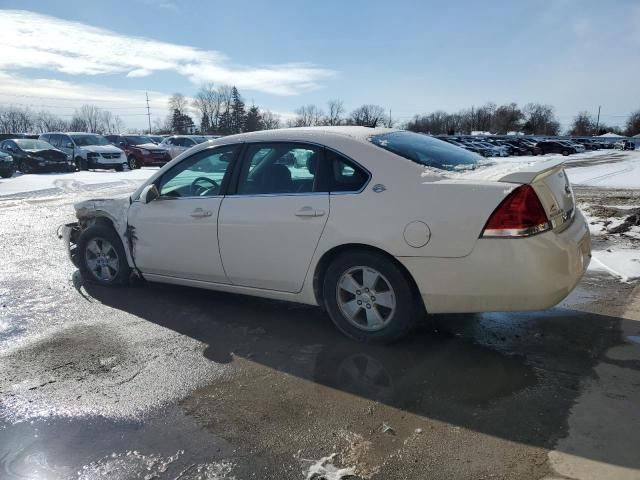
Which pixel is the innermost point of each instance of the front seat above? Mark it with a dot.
(276, 178)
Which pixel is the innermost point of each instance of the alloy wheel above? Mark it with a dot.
(102, 259)
(366, 298)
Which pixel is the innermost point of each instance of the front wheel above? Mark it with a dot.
(133, 163)
(369, 298)
(81, 164)
(565, 153)
(6, 173)
(101, 256)
(119, 168)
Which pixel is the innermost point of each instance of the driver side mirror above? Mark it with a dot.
(149, 193)
(68, 145)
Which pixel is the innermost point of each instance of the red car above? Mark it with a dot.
(141, 150)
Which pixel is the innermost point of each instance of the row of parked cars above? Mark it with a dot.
(72, 151)
(515, 146)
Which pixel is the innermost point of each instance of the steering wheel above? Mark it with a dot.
(198, 190)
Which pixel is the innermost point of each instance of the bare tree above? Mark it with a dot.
(47, 122)
(207, 101)
(15, 120)
(178, 102)
(90, 116)
(308, 116)
(368, 116)
(507, 118)
(270, 120)
(633, 124)
(582, 125)
(540, 120)
(336, 110)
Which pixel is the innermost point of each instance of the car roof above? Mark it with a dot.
(306, 133)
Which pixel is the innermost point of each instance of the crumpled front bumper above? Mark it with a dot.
(69, 234)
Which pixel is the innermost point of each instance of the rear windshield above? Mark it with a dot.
(426, 150)
(86, 140)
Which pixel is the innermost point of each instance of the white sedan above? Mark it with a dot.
(375, 225)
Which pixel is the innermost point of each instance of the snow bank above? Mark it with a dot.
(70, 181)
(624, 174)
(623, 263)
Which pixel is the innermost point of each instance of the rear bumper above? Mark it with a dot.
(503, 274)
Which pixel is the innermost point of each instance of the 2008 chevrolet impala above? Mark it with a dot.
(375, 225)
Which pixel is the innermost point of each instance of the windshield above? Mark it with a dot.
(426, 150)
(86, 140)
(199, 139)
(33, 144)
(138, 139)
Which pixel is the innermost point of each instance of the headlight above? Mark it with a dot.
(144, 151)
(93, 154)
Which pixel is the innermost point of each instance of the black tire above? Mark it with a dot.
(119, 168)
(24, 167)
(565, 153)
(407, 305)
(133, 163)
(81, 164)
(6, 173)
(101, 232)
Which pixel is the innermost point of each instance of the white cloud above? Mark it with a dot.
(15, 89)
(32, 40)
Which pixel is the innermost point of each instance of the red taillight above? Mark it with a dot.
(519, 215)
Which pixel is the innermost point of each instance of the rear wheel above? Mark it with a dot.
(81, 164)
(565, 153)
(6, 173)
(369, 298)
(101, 256)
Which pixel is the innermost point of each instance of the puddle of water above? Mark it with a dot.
(164, 447)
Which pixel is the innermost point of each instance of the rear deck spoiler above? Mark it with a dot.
(530, 172)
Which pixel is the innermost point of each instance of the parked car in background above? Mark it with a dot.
(554, 146)
(580, 148)
(306, 234)
(177, 144)
(625, 145)
(87, 150)
(141, 151)
(36, 155)
(7, 167)
(156, 138)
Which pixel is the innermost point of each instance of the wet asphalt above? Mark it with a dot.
(155, 381)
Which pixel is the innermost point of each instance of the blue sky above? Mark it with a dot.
(408, 56)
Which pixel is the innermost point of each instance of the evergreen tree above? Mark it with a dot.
(254, 120)
(238, 114)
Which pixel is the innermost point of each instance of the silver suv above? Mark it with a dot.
(88, 150)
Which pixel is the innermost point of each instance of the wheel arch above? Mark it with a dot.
(329, 255)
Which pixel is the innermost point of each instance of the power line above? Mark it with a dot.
(148, 112)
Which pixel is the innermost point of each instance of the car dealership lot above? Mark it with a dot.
(169, 381)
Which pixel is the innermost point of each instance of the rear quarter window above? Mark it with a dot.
(426, 150)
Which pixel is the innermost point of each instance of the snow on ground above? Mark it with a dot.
(71, 181)
(623, 263)
(623, 174)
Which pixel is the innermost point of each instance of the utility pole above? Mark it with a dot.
(598, 120)
(148, 112)
(390, 124)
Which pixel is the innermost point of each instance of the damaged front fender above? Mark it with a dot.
(113, 210)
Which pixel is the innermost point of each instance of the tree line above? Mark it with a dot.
(88, 118)
(222, 110)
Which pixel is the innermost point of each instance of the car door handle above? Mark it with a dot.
(309, 212)
(200, 213)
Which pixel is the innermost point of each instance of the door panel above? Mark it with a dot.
(178, 238)
(268, 241)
